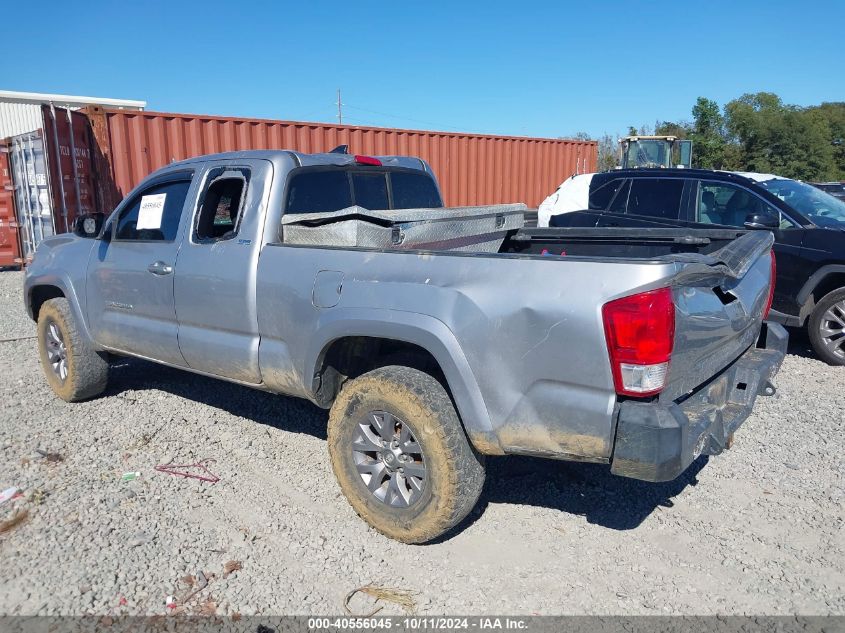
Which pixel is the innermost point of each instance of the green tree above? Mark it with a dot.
(758, 132)
(708, 135)
(782, 139)
(834, 113)
(680, 129)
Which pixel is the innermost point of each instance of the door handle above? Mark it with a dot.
(160, 268)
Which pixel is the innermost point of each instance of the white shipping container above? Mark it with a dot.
(33, 203)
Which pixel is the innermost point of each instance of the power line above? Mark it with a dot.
(405, 118)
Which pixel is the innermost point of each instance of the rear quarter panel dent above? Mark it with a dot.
(515, 326)
(428, 332)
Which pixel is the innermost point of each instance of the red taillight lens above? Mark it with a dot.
(367, 160)
(640, 333)
(771, 287)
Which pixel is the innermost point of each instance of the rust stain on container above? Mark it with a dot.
(10, 247)
(472, 168)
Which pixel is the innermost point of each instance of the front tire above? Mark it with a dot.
(401, 456)
(74, 370)
(826, 328)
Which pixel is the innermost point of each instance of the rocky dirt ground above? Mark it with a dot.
(757, 530)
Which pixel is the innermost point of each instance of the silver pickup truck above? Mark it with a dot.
(641, 349)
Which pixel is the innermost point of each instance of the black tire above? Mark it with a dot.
(86, 372)
(833, 303)
(454, 471)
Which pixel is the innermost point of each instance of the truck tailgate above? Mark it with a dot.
(719, 299)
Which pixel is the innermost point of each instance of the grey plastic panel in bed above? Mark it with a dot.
(478, 229)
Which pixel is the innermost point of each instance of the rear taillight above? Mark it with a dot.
(640, 333)
(367, 160)
(771, 287)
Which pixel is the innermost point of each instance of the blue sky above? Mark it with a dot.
(530, 68)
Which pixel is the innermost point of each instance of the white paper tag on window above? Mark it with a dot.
(152, 207)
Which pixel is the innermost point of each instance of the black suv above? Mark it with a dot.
(809, 228)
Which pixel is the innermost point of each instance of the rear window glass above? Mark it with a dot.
(322, 190)
(317, 191)
(656, 197)
(413, 190)
(370, 190)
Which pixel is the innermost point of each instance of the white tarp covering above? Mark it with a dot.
(572, 195)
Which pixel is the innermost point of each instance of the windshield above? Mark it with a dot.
(822, 208)
(648, 153)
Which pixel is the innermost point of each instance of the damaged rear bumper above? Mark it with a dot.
(657, 441)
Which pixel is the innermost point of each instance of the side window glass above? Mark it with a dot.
(726, 204)
(785, 222)
(370, 190)
(620, 201)
(600, 198)
(656, 197)
(318, 191)
(154, 214)
(222, 203)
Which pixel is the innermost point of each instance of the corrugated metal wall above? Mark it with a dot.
(17, 118)
(34, 202)
(471, 168)
(67, 136)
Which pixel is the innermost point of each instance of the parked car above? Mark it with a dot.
(836, 189)
(808, 225)
(638, 349)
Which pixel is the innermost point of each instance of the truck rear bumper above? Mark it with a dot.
(657, 441)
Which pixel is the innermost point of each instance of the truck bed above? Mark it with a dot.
(618, 242)
(528, 324)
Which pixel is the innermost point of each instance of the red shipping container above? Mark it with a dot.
(472, 168)
(67, 139)
(10, 248)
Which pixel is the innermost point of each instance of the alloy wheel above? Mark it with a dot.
(832, 329)
(56, 350)
(389, 459)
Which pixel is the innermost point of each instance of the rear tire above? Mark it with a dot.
(74, 370)
(396, 419)
(826, 328)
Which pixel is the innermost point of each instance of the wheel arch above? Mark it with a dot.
(38, 295)
(382, 335)
(38, 291)
(825, 280)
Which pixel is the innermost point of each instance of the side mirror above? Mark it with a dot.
(88, 225)
(765, 221)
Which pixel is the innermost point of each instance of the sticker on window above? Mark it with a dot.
(152, 207)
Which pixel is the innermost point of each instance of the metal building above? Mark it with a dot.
(20, 112)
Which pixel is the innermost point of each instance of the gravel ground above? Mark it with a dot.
(758, 530)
